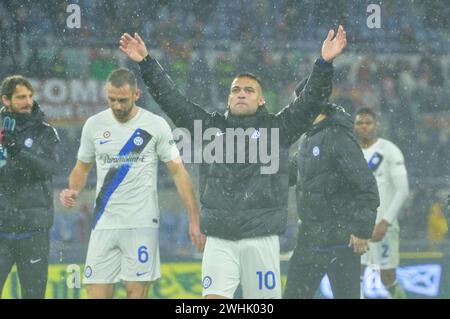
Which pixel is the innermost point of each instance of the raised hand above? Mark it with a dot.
(331, 48)
(134, 48)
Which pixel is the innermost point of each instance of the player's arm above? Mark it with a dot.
(79, 175)
(399, 178)
(180, 110)
(186, 191)
(315, 91)
(85, 161)
(77, 182)
(169, 154)
(362, 203)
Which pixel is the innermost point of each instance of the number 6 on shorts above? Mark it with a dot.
(142, 254)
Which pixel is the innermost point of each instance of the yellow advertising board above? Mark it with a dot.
(179, 281)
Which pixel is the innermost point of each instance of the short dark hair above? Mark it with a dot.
(251, 76)
(366, 111)
(9, 85)
(121, 77)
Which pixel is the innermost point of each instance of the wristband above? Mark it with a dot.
(321, 62)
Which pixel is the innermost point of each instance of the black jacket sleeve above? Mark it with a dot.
(363, 199)
(41, 160)
(180, 110)
(300, 86)
(293, 168)
(299, 115)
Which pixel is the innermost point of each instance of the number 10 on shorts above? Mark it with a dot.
(266, 280)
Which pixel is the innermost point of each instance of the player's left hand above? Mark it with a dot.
(133, 47)
(379, 231)
(197, 238)
(359, 245)
(331, 48)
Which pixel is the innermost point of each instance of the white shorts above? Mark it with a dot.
(122, 254)
(385, 253)
(253, 262)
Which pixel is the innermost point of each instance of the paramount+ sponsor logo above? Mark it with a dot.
(116, 159)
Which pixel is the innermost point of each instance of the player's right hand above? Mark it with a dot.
(134, 48)
(68, 197)
(359, 245)
(197, 238)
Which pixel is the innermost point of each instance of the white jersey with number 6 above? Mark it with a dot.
(126, 157)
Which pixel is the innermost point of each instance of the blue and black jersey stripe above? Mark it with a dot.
(375, 161)
(116, 175)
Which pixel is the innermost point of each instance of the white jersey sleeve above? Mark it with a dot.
(86, 152)
(399, 178)
(166, 148)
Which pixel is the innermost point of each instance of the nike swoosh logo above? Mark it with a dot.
(141, 273)
(104, 142)
(33, 261)
(220, 133)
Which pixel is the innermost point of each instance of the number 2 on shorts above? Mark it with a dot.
(385, 253)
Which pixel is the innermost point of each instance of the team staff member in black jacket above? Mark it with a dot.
(28, 159)
(243, 211)
(337, 199)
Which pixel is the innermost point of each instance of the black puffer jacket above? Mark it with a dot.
(237, 201)
(337, 194)
(26, 191)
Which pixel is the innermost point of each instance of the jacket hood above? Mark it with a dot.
(24, 120)
(336, 116)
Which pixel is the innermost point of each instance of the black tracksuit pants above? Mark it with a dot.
(30, 253)
(308, 265)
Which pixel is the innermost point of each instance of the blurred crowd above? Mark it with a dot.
(406, 24)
